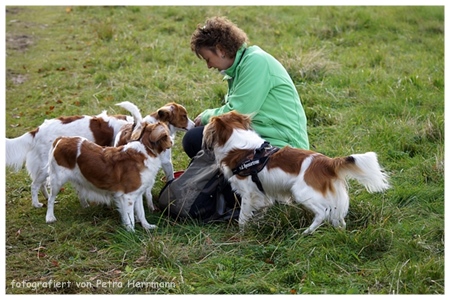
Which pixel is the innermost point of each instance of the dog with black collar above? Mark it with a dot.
(311, 179)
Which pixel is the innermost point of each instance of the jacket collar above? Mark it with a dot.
(231, 71)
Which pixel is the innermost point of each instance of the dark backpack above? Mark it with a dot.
(201, 192)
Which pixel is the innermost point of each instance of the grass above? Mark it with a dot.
(370, 79)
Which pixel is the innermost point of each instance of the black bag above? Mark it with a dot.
(201, 192)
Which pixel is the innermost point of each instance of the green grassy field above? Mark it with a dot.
(370, 79)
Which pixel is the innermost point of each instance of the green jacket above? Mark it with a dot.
(259, 85)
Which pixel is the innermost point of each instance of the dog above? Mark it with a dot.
(311, 179)
(109, 174)
(32, 148)
(174, 115)
(176, 118)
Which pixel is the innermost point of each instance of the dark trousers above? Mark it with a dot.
(192, 141)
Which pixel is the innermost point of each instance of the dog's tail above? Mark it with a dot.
(133, 109)
(138, 121)
(366, 170)
(17, 150)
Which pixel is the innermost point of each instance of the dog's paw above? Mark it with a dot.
(38, 204)
(149, 226)
(307, 232)
(129, 228)
(50, 219)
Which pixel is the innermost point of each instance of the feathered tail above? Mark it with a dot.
(133, 109)
(138, 121)
(366, 170)
(17, 150)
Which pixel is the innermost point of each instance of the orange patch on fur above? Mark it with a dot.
(321, 173)
(34, 132)
(103, 133)
(67, 120)
(289, 159)
(110, 168)
(66, 151)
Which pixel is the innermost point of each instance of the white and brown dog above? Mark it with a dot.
(174, 115)
(32, 147)
(309, 178)
(119, 175)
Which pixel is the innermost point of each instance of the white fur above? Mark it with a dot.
(34, 151)
(59, 175)
(281, 186)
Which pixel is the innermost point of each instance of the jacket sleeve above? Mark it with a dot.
(250, 89)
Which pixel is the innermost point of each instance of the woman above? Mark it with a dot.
(257, 84)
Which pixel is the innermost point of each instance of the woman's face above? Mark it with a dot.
(217, 60)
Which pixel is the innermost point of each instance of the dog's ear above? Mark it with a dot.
(165, 112)
(137, 131)
(217, 132)
(240, 120)
(158, 132)
(247, 121)
(209, 135)
(157, 137)
(124, 135)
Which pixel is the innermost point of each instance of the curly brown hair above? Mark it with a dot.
(218, 31)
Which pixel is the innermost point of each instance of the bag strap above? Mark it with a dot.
(223, 210)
